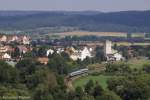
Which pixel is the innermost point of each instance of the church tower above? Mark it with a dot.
(107, 47)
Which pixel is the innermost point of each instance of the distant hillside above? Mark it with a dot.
(126, 21)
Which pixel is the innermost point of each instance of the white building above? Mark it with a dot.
(3, 38)
(50, 51)
(85, 53)
(74, 56)
(107, 47)
(3, 49)
(25, 40)
(14, 38)
(118, 56)
(60, 50)
(81, 54)
(6, 56)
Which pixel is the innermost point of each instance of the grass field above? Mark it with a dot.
(138, 35)
(129, 44)
(84, 33)
(101, 79)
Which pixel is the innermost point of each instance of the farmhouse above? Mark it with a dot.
(6, 56)
(81, 54)
(50, 51)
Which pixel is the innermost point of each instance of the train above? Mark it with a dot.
(79, 72)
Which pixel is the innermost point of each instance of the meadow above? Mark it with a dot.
(129, 43)
(102, 79)
(85, 33)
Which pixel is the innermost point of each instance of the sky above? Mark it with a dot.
(75, 5)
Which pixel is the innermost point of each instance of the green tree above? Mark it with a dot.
(42, 51)
(42, 93)
(8, 74)
(26, 67)
(121, 68)
(28, 55)
(97, 91)
(16, 52)
(58, 64)
(135, 88)
(115, 46)
(65, 56)
(87, 97)
(146, 68)
(100, 54)
(108, 95)
(79, 92)
(125, 53)
(129, 35)
(89, 87)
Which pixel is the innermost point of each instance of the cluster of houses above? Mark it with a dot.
(81, 53)
(74, 54)
(5, 52)
(6, 49)
(84, 52)
(14, 38)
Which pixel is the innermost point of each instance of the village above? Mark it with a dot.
(13, 44)
(8, 44)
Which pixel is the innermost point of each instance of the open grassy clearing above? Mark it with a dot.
(101, 79)
(141, 44)
(138, 35)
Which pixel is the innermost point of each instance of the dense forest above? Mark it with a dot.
(126, 21)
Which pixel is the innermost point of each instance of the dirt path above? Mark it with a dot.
(68, 82)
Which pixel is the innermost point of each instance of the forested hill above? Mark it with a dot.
(125, 21)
